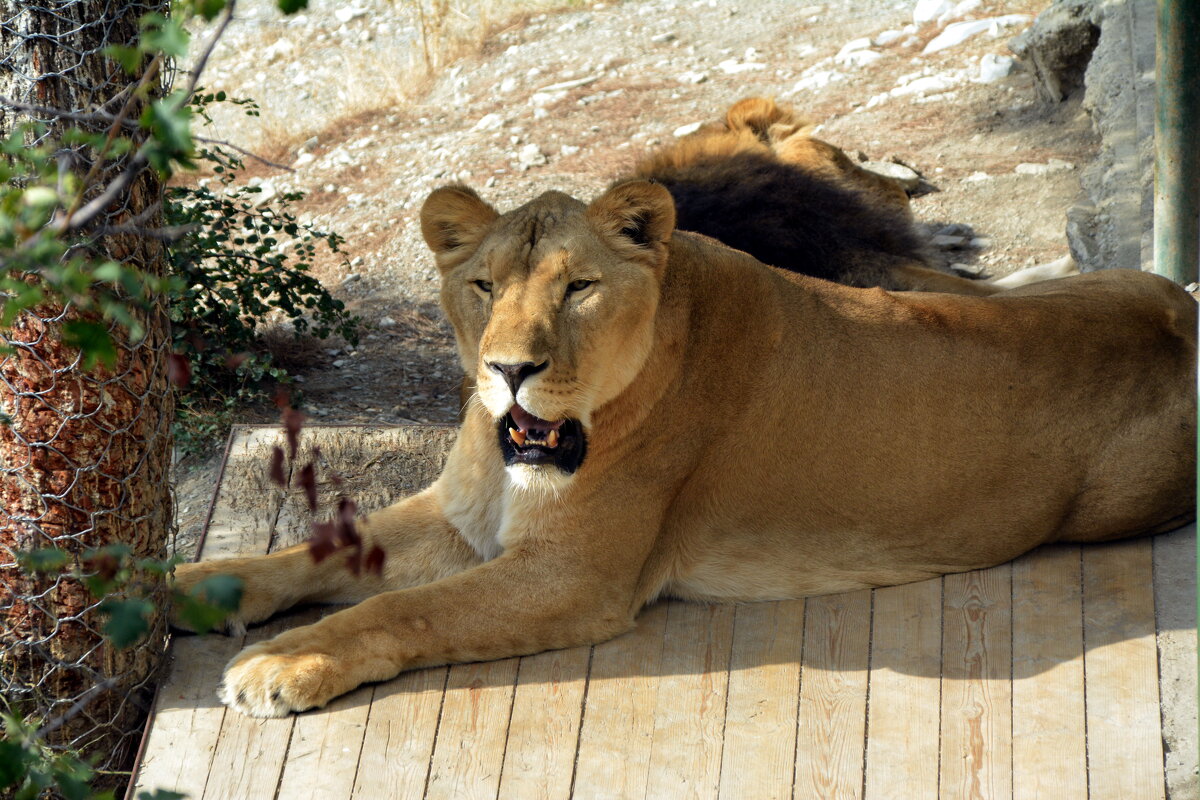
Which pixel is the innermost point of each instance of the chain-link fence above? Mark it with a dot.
(84, 455)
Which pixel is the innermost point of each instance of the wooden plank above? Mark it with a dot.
(976, 741)
(185, 733)
(689, 723)
(1175, 610)
(833, 696)
(401, 730)
(322, 757)
(251, 752)
(618, 721)
(1049, 728)
(469, 753)
(760, 714)
(543, 734)
(902, 723)
(187, 720)
(1125, 757)
(248, 502)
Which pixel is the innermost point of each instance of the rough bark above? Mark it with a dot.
(85, 459)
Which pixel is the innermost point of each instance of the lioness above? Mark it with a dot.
(761, 182)
(657, 414)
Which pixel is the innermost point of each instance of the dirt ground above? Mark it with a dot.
(568, 100)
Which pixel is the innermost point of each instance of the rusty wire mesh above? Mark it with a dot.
(84, 461)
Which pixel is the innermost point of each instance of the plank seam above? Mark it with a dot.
(1083, 632)
(725, 717)
(661, 653)
(512, 702)
(1162, 720)
(1012, 680)
(366, 727)
(799, 694)
(941, 676)
(867, 699)
(283, 762)
(587, 683)
(437, 729)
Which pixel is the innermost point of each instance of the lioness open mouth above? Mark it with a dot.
(526, 439)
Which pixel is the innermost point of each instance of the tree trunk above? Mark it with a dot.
(85, 460)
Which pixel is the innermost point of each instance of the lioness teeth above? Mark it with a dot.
(552, 439)
(517, 436)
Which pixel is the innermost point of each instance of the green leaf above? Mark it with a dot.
(161, 794)
(291, 6)
(130, 58)
(12, 763)
(165, 35)
(49, 559)
(93, 342)
(128, 620)
(209, 8)
(210, 602)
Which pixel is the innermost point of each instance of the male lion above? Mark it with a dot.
(657, 414)
(759, 181)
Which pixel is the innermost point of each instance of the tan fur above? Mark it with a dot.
(752, 435)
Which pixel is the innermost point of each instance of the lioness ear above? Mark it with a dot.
(454, 217)
(640, 212)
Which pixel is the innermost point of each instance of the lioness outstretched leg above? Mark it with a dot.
(517, 604)
(420, 546)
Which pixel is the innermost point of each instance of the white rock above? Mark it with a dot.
(659, 38)
(927, 85)
(387, 322)
(968, 270)
(860, 58)
(887, 37)
(303, 159)
(731, 66)
(958, 32)
(571, 84)
(818, 80)
(977, 177)
(853, 45)
(543, 99)
(345, 15)
(929, 10)
(531, 156)
(1054, 165)
(965, 7)
(281, 47)
(507, 85)
(489, 122)
(684, 130)
(994, 67)
(906, 177)
(693, 77)
(570, 149)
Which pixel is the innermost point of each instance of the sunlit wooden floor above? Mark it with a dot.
(1057, 676)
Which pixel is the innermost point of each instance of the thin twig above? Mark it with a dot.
(244, 151)
(203, 61)
(101, 116)
(76, 709)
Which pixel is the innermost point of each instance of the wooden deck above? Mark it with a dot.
(1052, 677)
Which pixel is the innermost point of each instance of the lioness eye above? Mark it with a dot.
(484, 286)
(578, 286)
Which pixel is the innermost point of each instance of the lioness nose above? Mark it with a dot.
(515, 374)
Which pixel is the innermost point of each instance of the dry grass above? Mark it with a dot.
(449, 31)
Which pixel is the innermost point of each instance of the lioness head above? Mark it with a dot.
(553, 306)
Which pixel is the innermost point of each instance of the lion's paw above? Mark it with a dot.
(273, 679)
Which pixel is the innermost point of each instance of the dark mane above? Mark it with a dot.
(785, 215)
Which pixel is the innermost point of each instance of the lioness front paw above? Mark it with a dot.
(255, 605)
(282, 675)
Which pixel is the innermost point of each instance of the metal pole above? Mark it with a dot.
(1177, 141)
